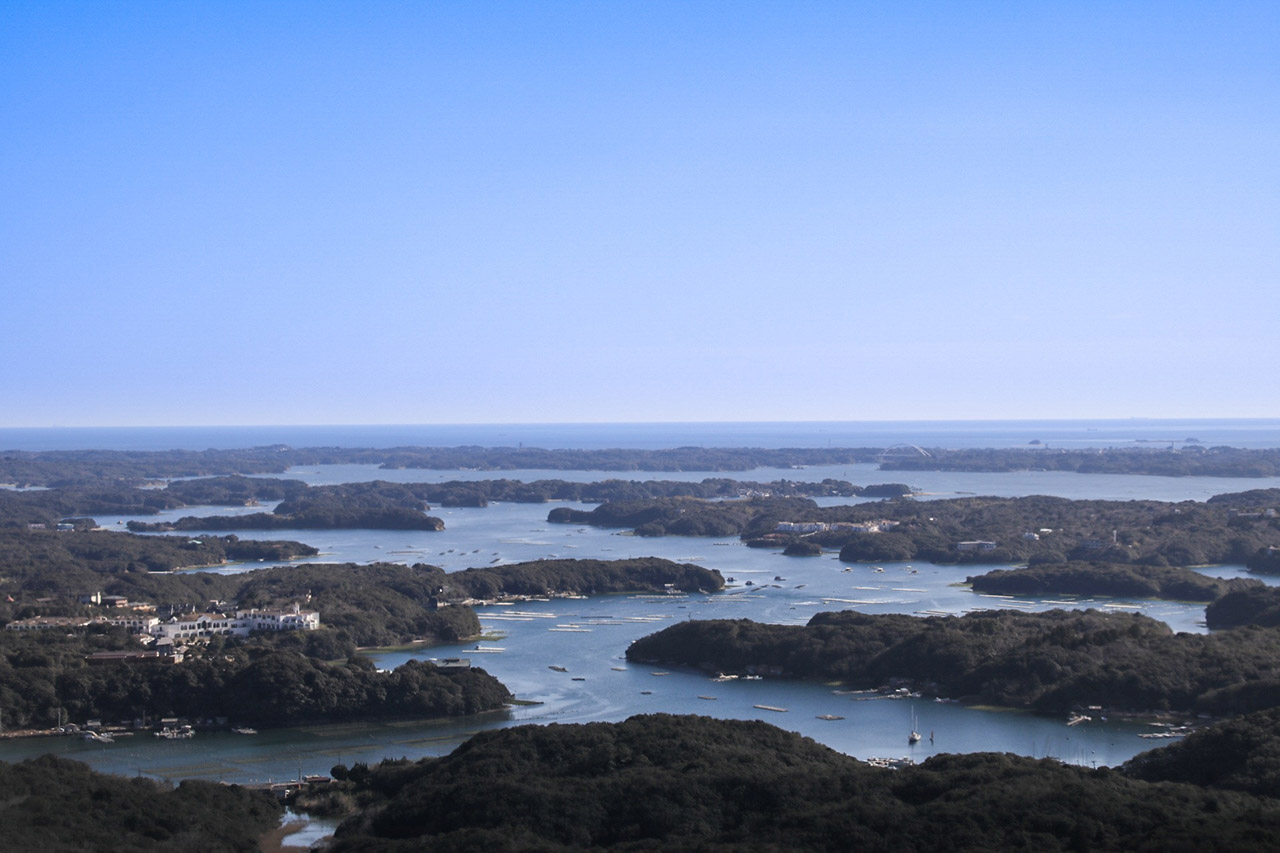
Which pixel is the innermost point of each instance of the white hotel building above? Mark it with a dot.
(204, 625)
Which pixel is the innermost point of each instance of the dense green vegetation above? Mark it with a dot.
(1029, 529)
(56, 805)
(1242, 754)
(1051, 661)
(661, 782)
(376, 505)
(1189, 461)
(78, 467)
(1094, 578)
(315, 518)
(689, 516)
(62, 566)
(1251, 606)
(1249, 499)
(1046, 529)
(1264, 561)
(581, 577)
(43, 672)
(373, 605)
(82, 467)
(802, 549)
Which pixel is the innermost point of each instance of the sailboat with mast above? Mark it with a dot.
(914, 737)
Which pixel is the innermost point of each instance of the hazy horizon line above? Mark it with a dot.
(602, 423)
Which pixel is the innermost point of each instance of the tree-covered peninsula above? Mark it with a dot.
(44, 679)
(1109, 579)
(1052, 661)
(1258, 605)
(975, 530)
(1190, 459)
(661, 782)
(54, 565)
(1241, 754)
(57, 805)
(270, 677)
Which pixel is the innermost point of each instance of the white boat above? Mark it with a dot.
(915, 736)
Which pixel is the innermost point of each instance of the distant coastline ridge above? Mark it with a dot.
(1250, 433)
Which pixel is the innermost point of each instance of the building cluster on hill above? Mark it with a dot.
(189, 626)
(878, 526)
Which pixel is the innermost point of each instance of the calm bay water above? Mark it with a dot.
(588, 637)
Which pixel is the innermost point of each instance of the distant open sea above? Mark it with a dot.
(1250, 433)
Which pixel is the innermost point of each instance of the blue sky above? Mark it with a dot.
(221, 213)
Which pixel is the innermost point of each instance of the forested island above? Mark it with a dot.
(969, 530)
(46, 677)
(53, 804)
(1051, 662)
(370, 505)
(89, 467)
(1111, 579)
(684, 783)
(1240, 754)
(1188, 460)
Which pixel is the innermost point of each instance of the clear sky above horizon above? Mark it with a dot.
(456, 212)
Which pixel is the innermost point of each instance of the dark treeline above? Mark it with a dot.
(1029, 529)
(1251, 606)
(383, 604)
(690, 516)
(1094, 578)
(1189, 461)
(1052, 661)
(581, 577)
(480, 492)
(1047, 529)
(1249, 499)
(45, 675)
(331, 517)
(57, 805)
(660, 782)
(81, 467)
(376, 505)
(1242, 754)
(39, 563)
